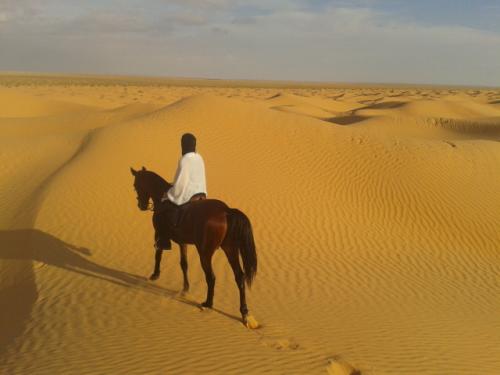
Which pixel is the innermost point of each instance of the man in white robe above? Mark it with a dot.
(189, 179)
(189, 184)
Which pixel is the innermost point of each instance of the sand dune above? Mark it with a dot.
(15, 104)
(375, 211)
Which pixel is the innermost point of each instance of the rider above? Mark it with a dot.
(189, 184)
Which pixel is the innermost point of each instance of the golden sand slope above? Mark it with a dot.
(376, 215)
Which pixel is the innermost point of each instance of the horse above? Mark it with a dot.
(208, 224)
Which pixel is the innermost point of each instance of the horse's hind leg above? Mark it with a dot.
(156, 273)
(213, 235)
(184, 266)
(233, 258)
(206, 264)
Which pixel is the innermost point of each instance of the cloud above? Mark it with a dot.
(300, 40)
(21, 9)
(4, 16)
(104, 23)
(188, 19)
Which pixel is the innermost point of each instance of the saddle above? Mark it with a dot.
(173, 214)
(197, 197)
(181, 210)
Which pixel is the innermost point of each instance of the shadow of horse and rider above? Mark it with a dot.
(36, 245)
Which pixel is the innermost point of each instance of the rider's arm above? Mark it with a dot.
(180, 181)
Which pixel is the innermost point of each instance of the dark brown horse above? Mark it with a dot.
(208, 224)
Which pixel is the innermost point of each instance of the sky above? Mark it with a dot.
(453, 42)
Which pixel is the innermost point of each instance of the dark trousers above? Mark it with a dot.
(164, 220)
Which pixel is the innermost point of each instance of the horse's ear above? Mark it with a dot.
(143, 168)
(134, 172)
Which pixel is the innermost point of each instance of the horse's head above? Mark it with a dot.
(149, 186)
(142, 188)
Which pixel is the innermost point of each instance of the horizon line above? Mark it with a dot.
(269, 82)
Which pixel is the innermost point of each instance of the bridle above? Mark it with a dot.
(150, 206)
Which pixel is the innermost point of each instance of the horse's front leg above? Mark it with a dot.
(157, 225)
(184, 267)
(156, 273)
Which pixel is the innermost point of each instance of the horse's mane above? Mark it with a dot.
(158, 180)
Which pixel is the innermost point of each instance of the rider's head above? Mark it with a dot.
(188, 143)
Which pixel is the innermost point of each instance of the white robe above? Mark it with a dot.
(189, 179)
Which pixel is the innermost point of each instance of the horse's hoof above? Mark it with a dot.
(154, 276)
(250, 322)
(206, 305)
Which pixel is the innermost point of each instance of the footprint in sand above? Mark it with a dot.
(280, 343)
(339, 367)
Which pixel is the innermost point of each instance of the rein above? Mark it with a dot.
(154, 180)
(151, 203)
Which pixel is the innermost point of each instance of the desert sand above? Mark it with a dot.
(376, 215)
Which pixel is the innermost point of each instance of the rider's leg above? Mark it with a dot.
(162, 233)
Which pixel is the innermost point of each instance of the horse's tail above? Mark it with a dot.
(240, 235)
